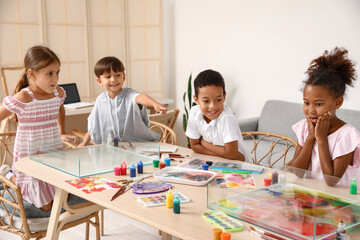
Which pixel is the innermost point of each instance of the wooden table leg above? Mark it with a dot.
(57, 220)
(52, 230)
(165, 236)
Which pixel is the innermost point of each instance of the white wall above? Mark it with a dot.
(261, 47)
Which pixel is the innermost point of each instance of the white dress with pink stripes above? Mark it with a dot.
(37, 132)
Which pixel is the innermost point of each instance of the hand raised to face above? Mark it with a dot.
(322, 126)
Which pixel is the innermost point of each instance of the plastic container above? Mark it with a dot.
(117, 171)
(176, 205)
(167, 161)
(140, 167)
(156, 163)
(169, 199)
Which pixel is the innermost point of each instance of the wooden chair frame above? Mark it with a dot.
(5, 139)
(23, 231)
(167, 119)
(275, 139)
(167, 135)
(3, 78)
(18, 206)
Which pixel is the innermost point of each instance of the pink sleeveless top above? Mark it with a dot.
(37, 132)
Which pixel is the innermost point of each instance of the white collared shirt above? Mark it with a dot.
(219, 131)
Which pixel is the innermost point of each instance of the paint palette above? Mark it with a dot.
(150, 187)
(238, 167)
(160, 199)
(223, 221)
(185, 175)
(193, 164)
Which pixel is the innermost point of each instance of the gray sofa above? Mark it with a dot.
(278, 117)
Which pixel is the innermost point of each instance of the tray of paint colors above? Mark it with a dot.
(160, 199)
(223, 221)
(238, 167)
(193, 164)
(185, 175)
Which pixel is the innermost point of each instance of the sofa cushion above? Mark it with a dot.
(37, 219)
(279, 116)
(349, 116)
(33, 212)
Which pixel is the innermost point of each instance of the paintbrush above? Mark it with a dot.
(130, 180)
(176, 160)
(118, 193)
(260, 235)
(266, 233)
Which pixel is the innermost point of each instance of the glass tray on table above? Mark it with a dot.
(301, 207)
(96, 159)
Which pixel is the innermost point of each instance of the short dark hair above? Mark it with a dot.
(106, 64)
(333, 69)
(207, 78)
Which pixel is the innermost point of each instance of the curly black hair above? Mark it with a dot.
(334, 70)
(207, 78)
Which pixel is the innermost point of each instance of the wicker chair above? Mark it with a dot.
(168, 119)
(12, 208)
(167, 135)
(276, 147)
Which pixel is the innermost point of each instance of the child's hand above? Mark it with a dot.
(322, 126)
(69, 138)
(82, 144)
(159, 108)
(311, 127)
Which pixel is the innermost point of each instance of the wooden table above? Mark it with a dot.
(186, 225)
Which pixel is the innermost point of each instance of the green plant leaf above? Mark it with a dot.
(184, 122)
(187, 114)
(189, 91)
(184, 98)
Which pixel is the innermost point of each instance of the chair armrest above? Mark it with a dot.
(249, 124)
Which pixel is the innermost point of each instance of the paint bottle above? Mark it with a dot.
(169, 199)
(140, 167)
(117, 171)
(162, 165)
(267, 182)
(176, 204)
(116, 141)
(341, 232)
(205, 166)
(353, 186)
(274, 177)
(123, 168)
(225, 236)
(167, 161)
(132, 170)
(216, 233)
(282, 178)
(109, 139)
(156, 163)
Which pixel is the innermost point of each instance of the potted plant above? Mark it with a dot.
(188, 103)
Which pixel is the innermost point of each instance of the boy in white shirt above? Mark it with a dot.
(212, 127)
